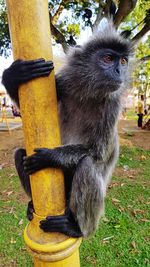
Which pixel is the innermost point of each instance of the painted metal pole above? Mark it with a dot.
(30, 36)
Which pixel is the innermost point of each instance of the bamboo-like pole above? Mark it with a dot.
(30, 36)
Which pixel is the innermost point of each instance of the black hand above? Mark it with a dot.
(65, 157)
(37, 161)
(65, 224)
(23, 71)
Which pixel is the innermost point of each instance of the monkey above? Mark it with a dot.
(89, 89)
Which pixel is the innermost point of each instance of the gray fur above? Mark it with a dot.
(89, 99)
(89, 110)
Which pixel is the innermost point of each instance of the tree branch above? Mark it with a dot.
(124, 9)
(140, 34)
(58, 35)
(107, 8)
(146, 58)
(99, 16)
(59, 11)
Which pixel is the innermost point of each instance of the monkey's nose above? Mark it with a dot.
(117, 70)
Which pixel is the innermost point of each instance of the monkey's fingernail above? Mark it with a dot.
(41, 222)
(48, 218)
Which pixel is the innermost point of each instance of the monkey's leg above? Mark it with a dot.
(66, 158)
(65, 224)
(85, 203)
(30, 210)
(24, 178)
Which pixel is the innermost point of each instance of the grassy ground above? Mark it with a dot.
(123, 237)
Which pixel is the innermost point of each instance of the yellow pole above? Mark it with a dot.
(30, 36)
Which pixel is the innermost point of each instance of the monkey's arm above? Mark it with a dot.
(22, 71)
(65, 157)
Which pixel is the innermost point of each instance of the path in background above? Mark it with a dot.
(9, 143)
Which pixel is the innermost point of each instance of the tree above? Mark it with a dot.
(141, 73)
(67, 18)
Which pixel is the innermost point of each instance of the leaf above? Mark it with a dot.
(133, 244)
(126, 168)
(11, 175)
(117, 226)
(12, 241)
(138, 211)
(143, 157)
(20, 222)
(121, 209)
(131, 176)
(105, 241)
(115, 200)
(11, 210)
(106, 220)
(113, 185)
(144, 220)
(108, 238)
(9, 193)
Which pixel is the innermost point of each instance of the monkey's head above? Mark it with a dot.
(103, 63)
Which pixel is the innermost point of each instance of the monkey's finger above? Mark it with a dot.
(26, 68)
(33, 61)
(31, 170)
(37, 66)
(54, 220)
(68, 229)
(39, 149)
(48, 226)
(31, 167)
(29, 161)
(36, 61)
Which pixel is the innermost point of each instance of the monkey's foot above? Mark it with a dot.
(30, 210)
(65, 224)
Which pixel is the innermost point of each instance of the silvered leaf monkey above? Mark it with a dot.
(89, 90)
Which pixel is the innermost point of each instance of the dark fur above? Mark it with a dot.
(89, 95)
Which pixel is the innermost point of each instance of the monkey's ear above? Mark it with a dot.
(75, 51)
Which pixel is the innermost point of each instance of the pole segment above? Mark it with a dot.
(30, 36)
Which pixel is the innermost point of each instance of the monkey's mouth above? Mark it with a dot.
(112, 85)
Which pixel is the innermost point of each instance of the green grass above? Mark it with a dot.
(131, 114)
(122, 239)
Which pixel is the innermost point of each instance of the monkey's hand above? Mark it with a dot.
(65, 157)
(22, 71)
(65, 224)
(42, 158)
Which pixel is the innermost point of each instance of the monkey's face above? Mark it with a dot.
(112, 69)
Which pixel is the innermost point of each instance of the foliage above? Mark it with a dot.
(68, 18)
(142, 71)
(4, 30)
(123, 235)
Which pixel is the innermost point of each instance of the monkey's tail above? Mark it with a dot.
(87, 196)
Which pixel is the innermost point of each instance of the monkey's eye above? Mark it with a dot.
(123, 61)
(108, 59)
